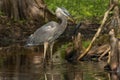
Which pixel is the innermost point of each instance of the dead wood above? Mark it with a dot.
(77, 42)
(117, 19)
(114, 53)
(97, 33)
(105, 52)
(75, 49)
(99, 50)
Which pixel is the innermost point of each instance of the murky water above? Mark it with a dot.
(17, 63)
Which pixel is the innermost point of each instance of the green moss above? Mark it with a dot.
(2, 61)
(86, 43)
(63, 48)
(1, 13)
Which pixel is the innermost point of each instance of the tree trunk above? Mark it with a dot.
(116, 17)
(114, 56)
(21, 18)
(25, 9)
(114, 51)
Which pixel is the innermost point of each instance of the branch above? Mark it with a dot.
(104, 53)
(97, 33)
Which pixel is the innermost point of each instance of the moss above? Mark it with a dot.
(63, 48)
(86, 43)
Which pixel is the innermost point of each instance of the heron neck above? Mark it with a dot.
(64, 22)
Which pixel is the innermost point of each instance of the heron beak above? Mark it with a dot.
(71, 19)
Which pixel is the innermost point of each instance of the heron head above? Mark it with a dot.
(63, 12)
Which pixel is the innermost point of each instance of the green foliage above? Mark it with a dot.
(85, 43)
(22, 21)
(81, 9)
(63, 48)
(1, 13)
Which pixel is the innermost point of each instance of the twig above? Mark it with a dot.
(104, 53)
(97, 33)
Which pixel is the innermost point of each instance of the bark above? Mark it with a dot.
(116, 17)
(77, 41)
(114, 60)
(25, 9)
(114, 54)
(114, 57)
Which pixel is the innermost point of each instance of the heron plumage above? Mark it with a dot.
(49, 32)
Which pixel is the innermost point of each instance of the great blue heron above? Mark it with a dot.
(50, 31)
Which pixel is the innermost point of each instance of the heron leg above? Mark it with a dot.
(51, 50)
(45, 76)
(45, 51)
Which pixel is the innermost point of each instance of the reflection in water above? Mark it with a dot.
(18, 63)
(66, 72)
(114, 76)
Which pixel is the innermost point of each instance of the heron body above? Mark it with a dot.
(49, 32)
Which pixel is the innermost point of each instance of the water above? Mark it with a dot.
(18, 63)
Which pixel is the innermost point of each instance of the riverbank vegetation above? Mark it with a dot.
(82, 10)
(97, 18)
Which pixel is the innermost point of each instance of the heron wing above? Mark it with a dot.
(45, 33)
